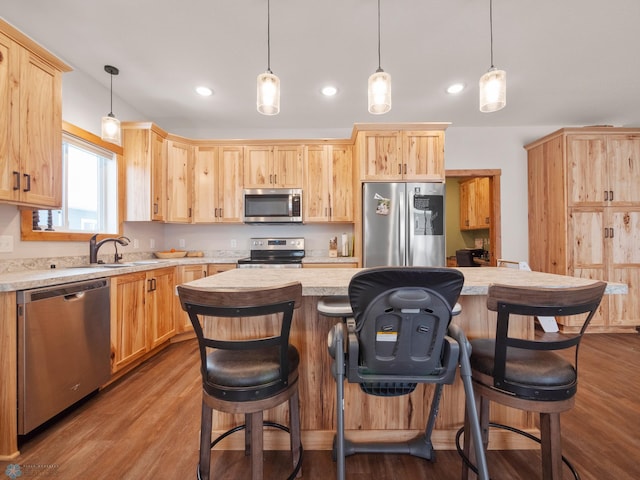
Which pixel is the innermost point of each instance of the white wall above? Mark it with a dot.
(85, 102)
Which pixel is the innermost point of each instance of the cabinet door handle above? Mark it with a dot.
(150, 285)
(611, 195)
(275, 179)
(28, 178)
(606, 196)
(399, 169)
(611, 232)
(155, 208)
(221, 210)
(270, 178)
(405, 169)
(189, 212)
(215, 213)
(16, 183)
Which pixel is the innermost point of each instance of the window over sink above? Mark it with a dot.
(90, 198)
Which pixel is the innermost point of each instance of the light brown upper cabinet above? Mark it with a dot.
(145, 159)
(401, 155)
(180, 159)
(328, 183)
(584, 213)
(604, 169)
(218, 181)
(475, 206)
(30, 123)
(267, 166)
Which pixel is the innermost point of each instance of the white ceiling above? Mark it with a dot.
(568, 62)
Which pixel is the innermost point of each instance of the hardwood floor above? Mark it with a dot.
(146, 426)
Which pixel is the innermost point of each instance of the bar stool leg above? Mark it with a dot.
(247, 434)
(294, 428)
(256, 446)
(551, 448)
(204, 466)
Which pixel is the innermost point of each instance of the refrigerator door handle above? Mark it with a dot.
(402, 220)
(410, 228)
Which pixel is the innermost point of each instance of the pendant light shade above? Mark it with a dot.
(493, 90)
(379, 85)
(110, 124)
(493, 84)
(268, 96)
(268, 93)
(379, 90)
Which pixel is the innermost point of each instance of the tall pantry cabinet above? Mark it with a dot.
(584, 213)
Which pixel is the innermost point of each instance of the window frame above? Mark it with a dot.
(26, 215)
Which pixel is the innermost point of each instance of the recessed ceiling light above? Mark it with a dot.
(455, 88)
(204, 91)
(329, 91)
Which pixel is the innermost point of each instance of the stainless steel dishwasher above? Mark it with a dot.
(63, 348)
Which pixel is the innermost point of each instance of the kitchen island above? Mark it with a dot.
(369, 417)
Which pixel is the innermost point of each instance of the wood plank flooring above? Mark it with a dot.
(145, 426)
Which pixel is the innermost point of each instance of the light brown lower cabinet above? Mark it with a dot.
(189, 273)
(128, 339)
(141, 314)
(159, 306)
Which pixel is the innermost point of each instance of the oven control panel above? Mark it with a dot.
(284, 243)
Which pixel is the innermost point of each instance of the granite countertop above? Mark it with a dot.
(43, 277)
(35, 278)
(335, 281)
(315, 281)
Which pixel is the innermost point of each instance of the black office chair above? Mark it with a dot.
(400, 335)
(528, 374)
(246, 376)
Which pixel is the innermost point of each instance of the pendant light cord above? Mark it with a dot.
(269, 36)
(490, 28)
(379, 63)
(111, 109)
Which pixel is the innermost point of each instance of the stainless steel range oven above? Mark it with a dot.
(285, 252)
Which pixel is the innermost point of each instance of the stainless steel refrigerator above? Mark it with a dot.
(403, 224)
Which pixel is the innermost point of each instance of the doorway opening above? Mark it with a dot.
(463, 237)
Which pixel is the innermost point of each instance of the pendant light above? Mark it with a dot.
(110, 124)
(268, 101)
(379, 86)
(493, 84)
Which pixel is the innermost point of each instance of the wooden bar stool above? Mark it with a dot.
(528, 374)
(246, 376)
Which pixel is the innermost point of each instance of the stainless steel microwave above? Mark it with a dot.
(273, 205)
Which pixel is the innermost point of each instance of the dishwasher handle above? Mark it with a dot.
(74, 297)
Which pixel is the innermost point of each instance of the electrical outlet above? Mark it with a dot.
(234, 243)
(181, 243)
(6, 243)
(136, 244)
(152, 243)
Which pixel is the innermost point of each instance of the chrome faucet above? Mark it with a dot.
(95, 246)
